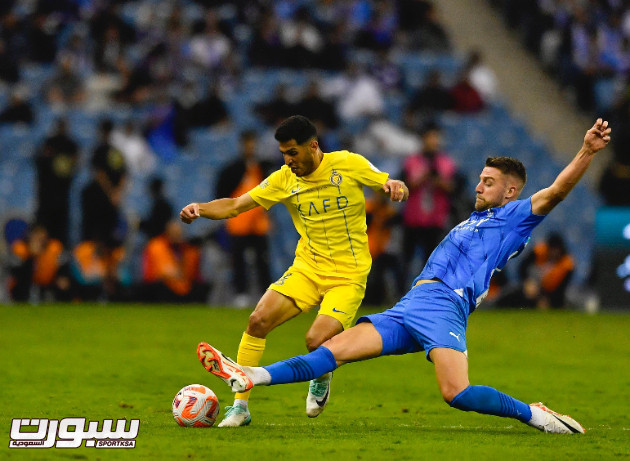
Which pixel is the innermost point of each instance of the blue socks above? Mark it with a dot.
(481, 399)
(489, 401)
(302, 367)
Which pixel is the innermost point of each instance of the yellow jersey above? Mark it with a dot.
(328, 211)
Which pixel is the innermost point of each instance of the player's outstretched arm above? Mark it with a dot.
(397, 190)
(222, 208)
(595, 140)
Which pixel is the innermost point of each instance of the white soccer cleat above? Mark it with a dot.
(236, 416)
(555, 422)
(224, 367)
(318, 395)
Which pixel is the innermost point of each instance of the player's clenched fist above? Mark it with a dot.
(189, 213)
(396, 189)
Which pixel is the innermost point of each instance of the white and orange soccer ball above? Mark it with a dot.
(195, 406)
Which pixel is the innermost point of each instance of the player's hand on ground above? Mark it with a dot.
(598, 136)
(397, 190)
(189, 213)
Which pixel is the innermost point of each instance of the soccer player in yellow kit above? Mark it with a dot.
(324, 195)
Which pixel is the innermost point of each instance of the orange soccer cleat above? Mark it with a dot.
(224, 367)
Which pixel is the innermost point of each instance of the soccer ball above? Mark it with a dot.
(195, 405)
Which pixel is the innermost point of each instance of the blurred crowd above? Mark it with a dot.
(179, 62)
(585, 44)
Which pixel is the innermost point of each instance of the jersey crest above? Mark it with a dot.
(335, 178)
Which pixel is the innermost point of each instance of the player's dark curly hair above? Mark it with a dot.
(508, 165)
(296, 127)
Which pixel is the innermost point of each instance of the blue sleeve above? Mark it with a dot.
(520, 217)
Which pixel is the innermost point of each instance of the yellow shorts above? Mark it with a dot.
(337, 297)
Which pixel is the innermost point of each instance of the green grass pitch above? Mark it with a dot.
(128, 361)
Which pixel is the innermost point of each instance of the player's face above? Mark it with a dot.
(492, 189)
(301, 158)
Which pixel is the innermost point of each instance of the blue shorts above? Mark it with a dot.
(430, 315)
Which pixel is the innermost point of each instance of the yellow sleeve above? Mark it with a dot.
(270, 191)
(366, 173)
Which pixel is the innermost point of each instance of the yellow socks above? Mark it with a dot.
(250, 351)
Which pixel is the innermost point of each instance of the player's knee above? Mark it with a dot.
(449, 392)
(313, 340)
(259, 325)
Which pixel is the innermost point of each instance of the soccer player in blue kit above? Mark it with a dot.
(433, 315)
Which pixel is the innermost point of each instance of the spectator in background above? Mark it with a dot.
(229, 79)
(148, 78)
(247, 231)
(37, 261)
(383, 138)
(381, 218)
(412, 14)
(106, 16)
(266, 49)
(316, 108)
(103, 65)
(209, 46)
(552, 269)
(429, 176)
(584, 59)
(41, 38)
(161, 210)
(13, 33)
(545, 275)
(77, 50)
(301, 40)
(109, 52)
(166, 129)
(466, 98)
(171, 268)
(614, 185)
(101, 199)
(424, 30)
(336, 48)
(209, 111)
(94, 267)
(56, 162)
(378, 33)
(482, 77)
(9, 70)
(135, 149)
(357, 93)
(386, 72)
(18, 110)
(66, 87)
(431, 98)
(277, 109)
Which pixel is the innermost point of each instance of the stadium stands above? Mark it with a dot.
(191, 174)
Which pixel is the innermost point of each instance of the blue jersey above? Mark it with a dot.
(468, 256)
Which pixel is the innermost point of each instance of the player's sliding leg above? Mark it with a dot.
(243, 378)
(451, 368)
(272, 310)
(360, 342)
(357, 343)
